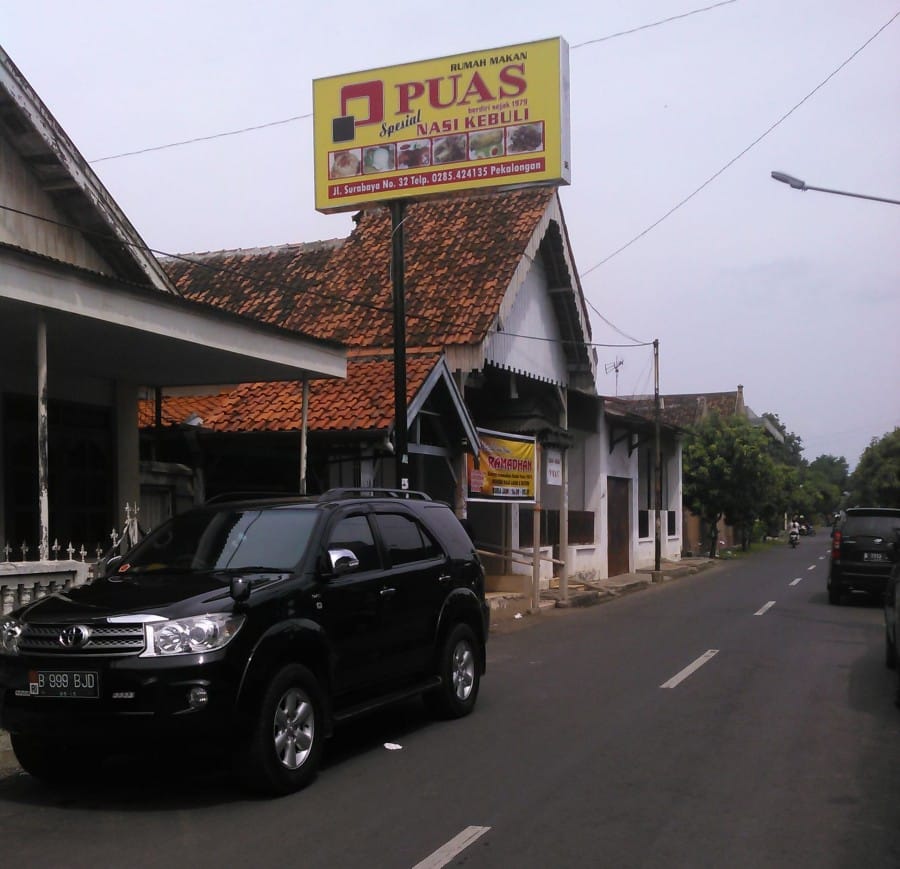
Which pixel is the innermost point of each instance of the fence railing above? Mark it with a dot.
(25, 580)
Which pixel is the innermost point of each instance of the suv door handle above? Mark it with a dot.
(388, 592)
(444, 577)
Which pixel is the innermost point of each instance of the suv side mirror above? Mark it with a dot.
(239, 588)
(342, 561)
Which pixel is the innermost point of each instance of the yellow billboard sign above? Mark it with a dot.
(497, 118)
(506, 469)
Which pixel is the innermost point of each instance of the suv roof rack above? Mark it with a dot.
(251, 496)
(407, 494)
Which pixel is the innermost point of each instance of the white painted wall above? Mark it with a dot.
(128, 482)
(531, 314)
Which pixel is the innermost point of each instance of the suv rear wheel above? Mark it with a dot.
(459, 666)
(284, 748)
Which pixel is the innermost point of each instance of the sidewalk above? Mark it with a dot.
(8, 763)
(508, 605)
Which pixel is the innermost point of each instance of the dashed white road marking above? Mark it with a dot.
(796, 581)
(447, 852)
(680, 677)
(764, 609)
(811, 567)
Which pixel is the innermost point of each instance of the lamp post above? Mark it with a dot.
(797, 184)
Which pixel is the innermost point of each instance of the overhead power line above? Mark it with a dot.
(652, 24)
(734, 159)
(233, 272)
(212, 136)
(202, 138)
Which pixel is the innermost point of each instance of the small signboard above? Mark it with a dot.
(484, 119)
(506, 468)
(554, 467)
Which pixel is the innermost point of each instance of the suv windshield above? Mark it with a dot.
(873, 526)
(274, 538)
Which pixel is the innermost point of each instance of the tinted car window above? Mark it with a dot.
(451, 531)
(874, 526)
(354, 533)
(405, 539)
(227, 539)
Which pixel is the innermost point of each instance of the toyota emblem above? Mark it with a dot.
(74, 637)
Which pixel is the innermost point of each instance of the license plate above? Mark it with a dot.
(63, 683)
(875, 556)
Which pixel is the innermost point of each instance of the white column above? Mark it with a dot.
(43, 443)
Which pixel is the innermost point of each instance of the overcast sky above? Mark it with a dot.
(795, 295)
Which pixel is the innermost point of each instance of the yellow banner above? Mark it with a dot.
(506, 468)
(497, 118)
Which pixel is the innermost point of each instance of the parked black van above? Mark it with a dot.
(860, 553)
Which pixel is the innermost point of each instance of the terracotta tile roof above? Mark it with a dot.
(262, 283)
(364, 401)
(177, 408)
(688, 408)
(460, 257)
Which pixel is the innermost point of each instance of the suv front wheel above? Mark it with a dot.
(284, 748)
(459, 666)
(52, 761)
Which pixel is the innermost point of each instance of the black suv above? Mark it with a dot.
(260, 623)
(860, 553)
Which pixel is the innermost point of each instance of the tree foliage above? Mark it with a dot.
(876, 480)
(790, 451)
(729, 473)
(736, 472)
(833, 470)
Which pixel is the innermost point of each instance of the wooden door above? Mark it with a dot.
(618, 526)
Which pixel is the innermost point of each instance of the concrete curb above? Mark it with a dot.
(506, 605)
(8, 762)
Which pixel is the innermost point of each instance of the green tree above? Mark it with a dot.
(876, 480)
(728, 474)
(833, 469)
(819, 496)
(790, 451)
(781, 499)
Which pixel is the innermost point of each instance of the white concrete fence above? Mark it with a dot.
(22, 582)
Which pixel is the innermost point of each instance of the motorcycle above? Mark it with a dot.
(794, 539)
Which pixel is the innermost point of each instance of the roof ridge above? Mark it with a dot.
(296, 247)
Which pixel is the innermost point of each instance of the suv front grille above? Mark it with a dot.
(101, 639)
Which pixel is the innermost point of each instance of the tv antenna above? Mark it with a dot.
(615, 366)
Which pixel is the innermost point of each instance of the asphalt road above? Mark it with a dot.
(728, 719)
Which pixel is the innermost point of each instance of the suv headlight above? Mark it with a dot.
(191, 636)
(10, 630)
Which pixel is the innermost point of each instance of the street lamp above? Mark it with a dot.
(797, 184)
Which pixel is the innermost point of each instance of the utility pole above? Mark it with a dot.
(658, 474)
(401, 435)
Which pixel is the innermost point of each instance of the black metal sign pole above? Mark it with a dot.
(401, 436)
